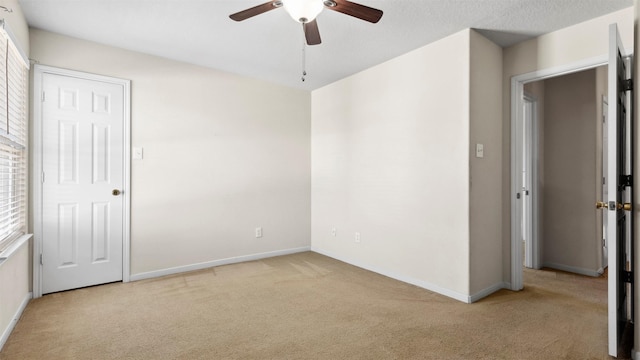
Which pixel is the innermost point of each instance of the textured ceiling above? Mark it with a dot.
(269, 46)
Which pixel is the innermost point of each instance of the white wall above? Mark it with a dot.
(223, 154)
(391, 160)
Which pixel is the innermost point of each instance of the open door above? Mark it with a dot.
(618, 205)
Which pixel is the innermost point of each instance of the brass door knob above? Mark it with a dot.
(115, 192)
(619, 206)
(625, 206)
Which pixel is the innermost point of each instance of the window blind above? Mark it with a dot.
(13, 141)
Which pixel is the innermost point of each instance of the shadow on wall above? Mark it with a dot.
(506, 38)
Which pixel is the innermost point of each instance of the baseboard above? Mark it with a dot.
(409, 280)
(14, 321)
(488, 291)
(208, 264)
(635, 355)
(573, 269)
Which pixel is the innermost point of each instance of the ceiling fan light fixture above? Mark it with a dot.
(303, 11)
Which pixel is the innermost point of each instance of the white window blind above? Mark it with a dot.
(13, 141)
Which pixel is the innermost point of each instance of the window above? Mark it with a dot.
(13, 141)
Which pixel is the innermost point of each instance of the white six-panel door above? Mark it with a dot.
(82, 184)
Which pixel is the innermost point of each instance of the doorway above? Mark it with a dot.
(562, 140)
(517, 149)
(81, 179)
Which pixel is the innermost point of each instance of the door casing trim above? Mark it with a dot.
(36, 167)
(517, 94)
(533, 250)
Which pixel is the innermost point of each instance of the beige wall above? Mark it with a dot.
(14, 288)
(571, 240)
(391, 159)
(485, 181)
(223, 154)
(17, 23)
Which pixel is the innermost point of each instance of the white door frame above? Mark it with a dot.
(36, 174)
(532, 251)
(517, 103)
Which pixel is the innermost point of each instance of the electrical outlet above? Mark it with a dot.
(357, 237)
(258, 232)
(333, 232)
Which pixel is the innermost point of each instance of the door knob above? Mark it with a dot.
(619, 206)
(115, 192)
(625, 206)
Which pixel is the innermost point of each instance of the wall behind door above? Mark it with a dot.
(223, 154)
(571, 174)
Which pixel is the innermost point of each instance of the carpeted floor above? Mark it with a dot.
(308, 306)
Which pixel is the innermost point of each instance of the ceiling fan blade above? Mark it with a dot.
(256, 10)
(356, 10)
(311, 33)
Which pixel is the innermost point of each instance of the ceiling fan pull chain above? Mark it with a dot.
(304, 59)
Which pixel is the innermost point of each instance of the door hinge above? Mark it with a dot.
(604, 242)
(43, 96)
(625, 180)
(626, 276)
(604, 180)
(627, 85)
(41, 261)
(43, 177)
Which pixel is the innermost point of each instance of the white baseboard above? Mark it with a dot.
(208, 264)
(14, 321)
(488, 291)
(573, 269)
(409, 280)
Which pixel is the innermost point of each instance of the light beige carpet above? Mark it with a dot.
(308, 306)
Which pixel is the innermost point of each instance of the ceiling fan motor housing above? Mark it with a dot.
(303, 11)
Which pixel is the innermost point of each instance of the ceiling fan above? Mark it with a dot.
(305, 12)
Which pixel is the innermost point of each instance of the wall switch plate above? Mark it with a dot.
(137, 153)
(258, 232)
(333, 232)
(479, 150)
(357, 237)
